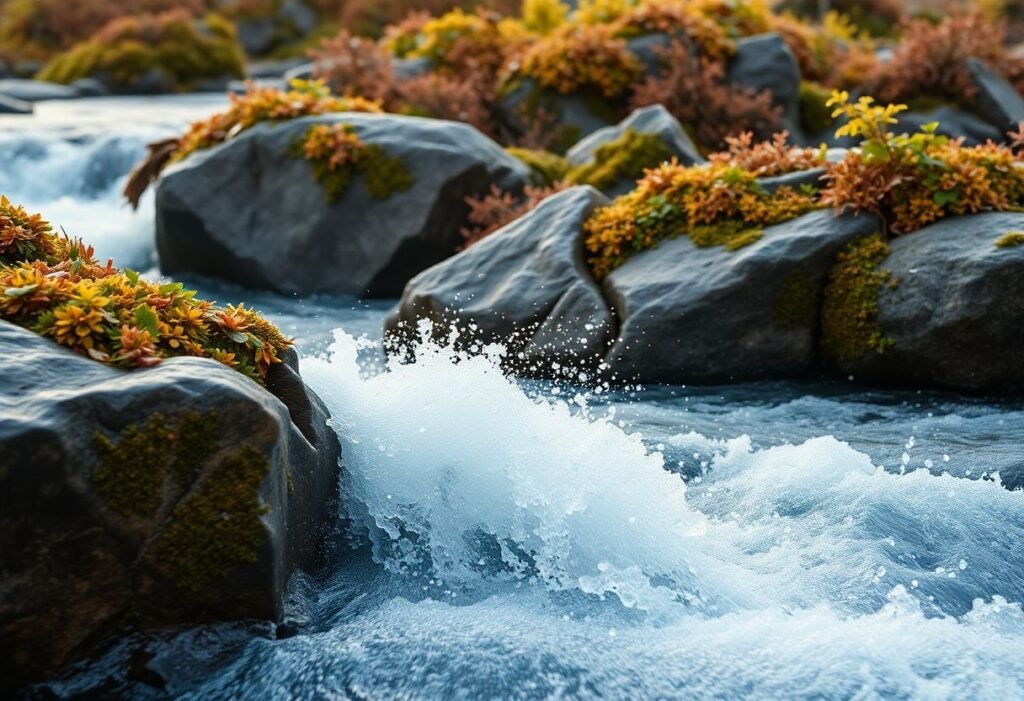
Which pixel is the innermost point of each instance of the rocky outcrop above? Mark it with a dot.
(691, 314)
(526, 285)
(251, 211)
(178, 494)
(950, 312)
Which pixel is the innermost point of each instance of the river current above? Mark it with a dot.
(512, 539)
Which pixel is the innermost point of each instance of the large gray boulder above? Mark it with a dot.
(765, 62)
(690, 314)
(183, 493)
(654, 119)
(995, 100)
(953, 311)
(250, 212)
(527, 285)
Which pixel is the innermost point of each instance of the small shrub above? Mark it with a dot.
(696, 93)
(677, 20)
(768, 158)
(715, 204)
(497, 208)
(582, 59)
(52, 285)
(913, 180)
(337, 154)
(181, 49)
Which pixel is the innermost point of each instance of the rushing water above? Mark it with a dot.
(532, 540)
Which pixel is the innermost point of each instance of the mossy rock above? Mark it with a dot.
(179, 494)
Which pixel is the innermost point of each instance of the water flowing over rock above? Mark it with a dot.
(251, 212)
(526, 285)
(953, 311)
(178, 494)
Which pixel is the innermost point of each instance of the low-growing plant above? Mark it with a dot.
(492, 211)
(257, 105)
(678, 20)
(338, 154)
(1011, 239)
(911, 180)
(546, 168)
(714, 204)
(696, 93)
(624, 158)
(768, 158)
(180, 49)
(52, 285)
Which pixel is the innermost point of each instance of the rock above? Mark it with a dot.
(794, 181)
(250, 212)
(573, 116)
(954, 316)
(527, 285)
(90, 87)
(11, 105)
(406, 68)
(256, 34)
(996, 101)
(690, 314)
(35, 90)
(654, 119)
(261, 35)
(765, 62)
(276, 69)
(953, 123)
(303, 71)
(180, 494)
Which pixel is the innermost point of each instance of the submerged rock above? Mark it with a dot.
(179, 494)
(526, 285)
(949, 308)
(251, 211)
(691, 314)
(35, 90)
(10, 105)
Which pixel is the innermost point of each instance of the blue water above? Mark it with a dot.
(532, 540)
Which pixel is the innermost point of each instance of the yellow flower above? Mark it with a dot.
(75, 326)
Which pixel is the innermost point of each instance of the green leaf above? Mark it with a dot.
(930, 127)
(944, 197)
(238, 336)
(133, 277)
(20, 291)
(875, 151)
(145, 318)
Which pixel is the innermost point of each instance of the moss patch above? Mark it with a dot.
(625, 158)
(850, 329)
(338, 154)
(815, 116)
(133, 471)
(218, 526)
(796, 303)
(546, 168)
(730, 234)
(1011, 239)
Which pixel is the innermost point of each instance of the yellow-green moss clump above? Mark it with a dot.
(182, 50)
(216, 526)
(546, 168)
(337, 154)
(625, 158)
(52, 285)
(796, 303)
(849, 321)
(1011, 239)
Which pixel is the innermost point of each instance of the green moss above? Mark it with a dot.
(337, 155)
(815, 116)
(218, 525)
(731, 234)
(850, 329)
(626, 158)
(546, 168)
(184, 52)
(796, 302)
(132, 472)
(384, 174)
(1011, 239)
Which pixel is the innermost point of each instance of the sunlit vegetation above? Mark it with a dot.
(53, 285)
